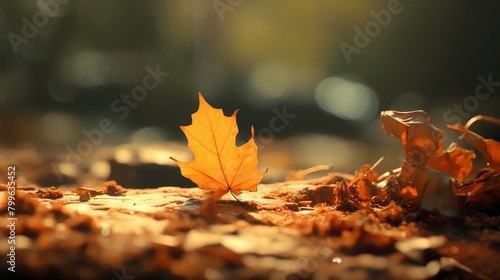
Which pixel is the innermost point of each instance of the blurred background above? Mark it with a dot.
(84, 89)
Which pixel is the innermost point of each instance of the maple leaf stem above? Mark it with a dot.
(231, 192)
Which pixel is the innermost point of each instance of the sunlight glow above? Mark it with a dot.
(346, 99)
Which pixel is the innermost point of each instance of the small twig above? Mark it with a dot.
(373, 166)
(377, 163)
(300, 174)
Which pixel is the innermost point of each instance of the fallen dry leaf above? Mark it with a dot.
(91, 192)
(490, 149)
(422, 141)
(112, 188)
(108, 187)
(365, 181)
(50, 193)
(219, 165)
(483, 192)
(437, 190)
(347, 197)
(455, 161)
(360, 190)
(420, 138)
(408, 194)
(85, 196)
(476, 185)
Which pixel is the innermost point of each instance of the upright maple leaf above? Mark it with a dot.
(219, 165)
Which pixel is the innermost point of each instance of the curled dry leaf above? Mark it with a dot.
(91, 192)
(85, 196)
(365, 181)
(347, 197)
(422, 141)
(490, 149)
(483, 192)
(108, 187)
(112, 188)
(437, 190)
(219, 165)
(455, 161)
(50, 193)
(476, 185)
(420, 138)
(408, 194)
(359, 191)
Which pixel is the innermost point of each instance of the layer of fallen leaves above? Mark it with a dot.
(202, 234)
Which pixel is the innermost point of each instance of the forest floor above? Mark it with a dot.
(288, 230)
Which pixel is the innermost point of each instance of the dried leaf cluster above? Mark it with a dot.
(437, 174)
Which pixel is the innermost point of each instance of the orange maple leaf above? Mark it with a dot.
(219, 165)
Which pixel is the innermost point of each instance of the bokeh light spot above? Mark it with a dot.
(149, 134)
(346, 99)
(271, 80)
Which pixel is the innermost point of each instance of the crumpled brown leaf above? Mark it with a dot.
(455, 161)
(490, 149)
(91, 192)
(422, 141)
(359, 191)
(437, 190)
(420, 138)
(50, 193)
(484, 190)
(348, 197)
(365, 181)
(108, 187)
(408, 194)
